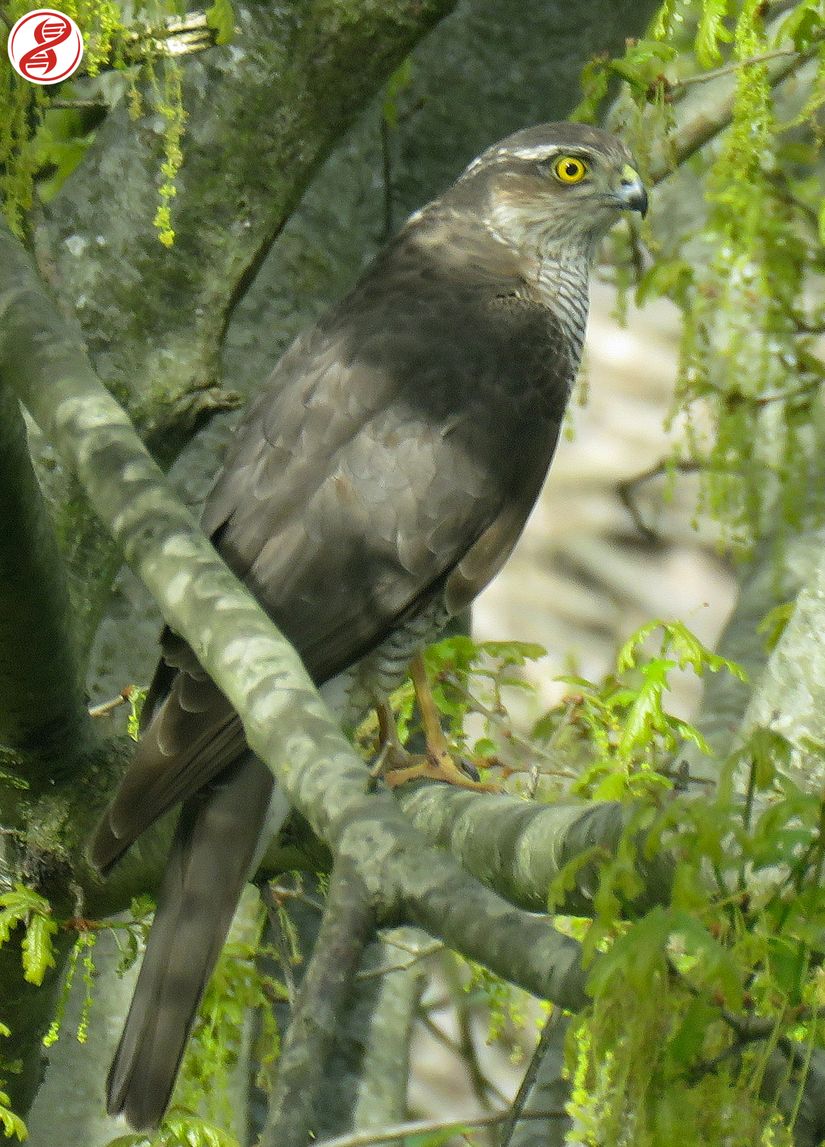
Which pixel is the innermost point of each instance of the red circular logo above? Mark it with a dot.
(45, 46)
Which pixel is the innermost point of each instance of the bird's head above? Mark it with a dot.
(553, 190)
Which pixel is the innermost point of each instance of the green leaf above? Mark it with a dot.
(566, 878)
(612, 788)
(711, 32)
(685, 646)
(19, 901)
(484, 747)
(626, 657)
(24, 906)
(221, 18)
(181, 1129)
(38, 950)
(646, 713)
(788, 960)
(635, 957)
(774, 622)
(595, 79)
(802, 25)
(513, 652)
(643, 62)
(688, 1039)
(398, 82)
(687, 732)
(663, 20)
(768, 751)
(12, 1124)
(137, 696)
(715, 966)
(689, 650)
(677, 640)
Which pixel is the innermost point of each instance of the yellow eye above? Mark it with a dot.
(570, 169)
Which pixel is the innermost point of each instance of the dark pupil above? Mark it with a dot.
(571, 169)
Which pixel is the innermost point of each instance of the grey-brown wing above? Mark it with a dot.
(358, 484)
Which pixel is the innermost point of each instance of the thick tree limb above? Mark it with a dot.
(348, 923)
(519, 847)
(42, 708)
(790, 694)
(543, 1089)
(378, 1032)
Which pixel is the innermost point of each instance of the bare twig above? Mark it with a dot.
(107, 707)
(731, 68)
(482, 1086)
(428, 1127)
(626, 489)
(282, 892)
(702, 115)
(517, 1112)
(79, 105)
(402, 965)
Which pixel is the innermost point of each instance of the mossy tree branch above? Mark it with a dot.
(42, 709)
(519, 847)
(346, 929)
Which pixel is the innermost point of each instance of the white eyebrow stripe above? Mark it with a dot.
(538, 152)
(506, 154)
(544, 151)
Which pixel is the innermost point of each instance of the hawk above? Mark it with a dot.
(376, 484)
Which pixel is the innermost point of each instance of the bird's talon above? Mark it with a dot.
(398, 767)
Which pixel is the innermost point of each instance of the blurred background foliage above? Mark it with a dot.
(736, 240)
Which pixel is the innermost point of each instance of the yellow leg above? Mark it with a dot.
(437, 764)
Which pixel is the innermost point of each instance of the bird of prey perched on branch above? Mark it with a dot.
(376, 484)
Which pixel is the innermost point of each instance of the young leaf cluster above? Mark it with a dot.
(10, 1124)
(693, 998)
(23, 907)
(622, 726)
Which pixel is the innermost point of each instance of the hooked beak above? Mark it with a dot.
(630, 195)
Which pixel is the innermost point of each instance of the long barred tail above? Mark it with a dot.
(212, 851)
